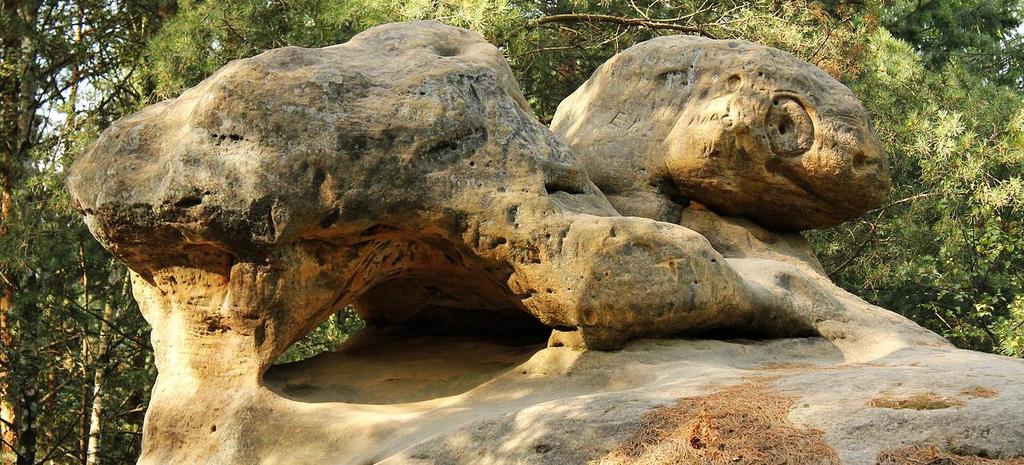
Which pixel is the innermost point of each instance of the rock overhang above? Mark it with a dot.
(245, 165)
(403, 173)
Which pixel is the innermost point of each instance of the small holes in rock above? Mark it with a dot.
(511, 213)
(218, 138)
(189, 201)
(589, 317)
(861, 159)
(213, 428)
(734, 83)
(446, 50)
(330, 218)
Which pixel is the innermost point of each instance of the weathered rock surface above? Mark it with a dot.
(560, 406)
(403, 173)
(400, 172)
(748, 130)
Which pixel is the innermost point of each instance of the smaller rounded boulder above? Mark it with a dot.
(745, 129)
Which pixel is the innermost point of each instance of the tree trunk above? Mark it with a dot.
(17, 404)
(99, 387)
(7, 434)
(6, 300)
(25, 402)
(26, 426)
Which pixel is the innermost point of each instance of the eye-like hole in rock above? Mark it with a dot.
(429, 333)
(790, 128)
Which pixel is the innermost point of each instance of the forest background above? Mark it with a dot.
(942, 79)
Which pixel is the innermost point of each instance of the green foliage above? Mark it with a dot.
(550, 60)
(206, 35)
(947, 252)
(937, 27)
(942, 80)
(66, 70)
(325, 337)
(979, 33)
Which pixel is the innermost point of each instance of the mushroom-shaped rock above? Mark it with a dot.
(401, 173)
(745, 129)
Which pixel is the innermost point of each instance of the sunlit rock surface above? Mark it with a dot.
(746, 129)
(403, 173)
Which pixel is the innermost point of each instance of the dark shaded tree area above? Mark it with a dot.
(942, 79)
(979, 33)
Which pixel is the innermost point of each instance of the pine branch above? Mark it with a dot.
(626, 21)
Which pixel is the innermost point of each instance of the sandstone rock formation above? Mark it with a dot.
(563, 407)
(748, 130)
(403, 173)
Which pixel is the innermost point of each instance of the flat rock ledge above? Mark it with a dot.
(470, 401)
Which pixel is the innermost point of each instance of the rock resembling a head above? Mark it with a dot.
(746, 129)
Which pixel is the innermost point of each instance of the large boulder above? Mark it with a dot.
(745, 129)
(402, 173)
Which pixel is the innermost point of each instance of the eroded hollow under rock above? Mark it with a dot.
(427, 285)
(396, 366)
(437, 326)
(446, 301)
(429, 334)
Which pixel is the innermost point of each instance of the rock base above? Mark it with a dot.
(459, 400)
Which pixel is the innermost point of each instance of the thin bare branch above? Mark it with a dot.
(626, 21)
